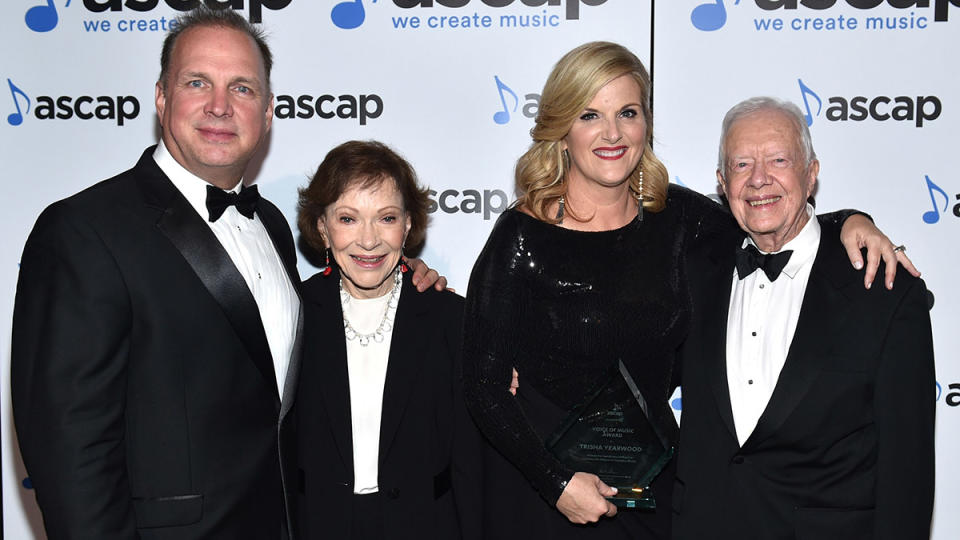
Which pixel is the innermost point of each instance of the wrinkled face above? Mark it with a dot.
(217, 107)
(365, 230)
(766, 180)
(606, 142)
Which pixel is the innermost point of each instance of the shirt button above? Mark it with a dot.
(754, 334)
(394, 493)
(749, 381)
(761, 285)
(738, 460)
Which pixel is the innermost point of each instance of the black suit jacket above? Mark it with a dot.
(144, 392)
(429, 447)
(845, 448)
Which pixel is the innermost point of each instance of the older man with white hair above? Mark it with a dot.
(806, 398)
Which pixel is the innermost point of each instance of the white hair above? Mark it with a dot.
(765, 103)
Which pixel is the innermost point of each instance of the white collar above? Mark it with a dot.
(190, 185)
(804, 245)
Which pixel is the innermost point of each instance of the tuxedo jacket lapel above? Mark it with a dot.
(185, 229)
(406, 361)
(824, 307)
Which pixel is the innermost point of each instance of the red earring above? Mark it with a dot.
(326, 265)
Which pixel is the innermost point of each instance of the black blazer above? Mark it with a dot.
(143, 387)
(844, 449)
(429, 448)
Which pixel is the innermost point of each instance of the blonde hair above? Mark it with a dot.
(578, 76)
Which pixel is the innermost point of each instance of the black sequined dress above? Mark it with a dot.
(563, 306)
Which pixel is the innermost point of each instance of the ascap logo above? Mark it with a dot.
(878, 15)
(45, 17)
(936, 192)
(255, 6)
(326, 106)
(530, 107)
(469, 201)
(119, 108)
(952, 397)
(915, 109)
(450, 14)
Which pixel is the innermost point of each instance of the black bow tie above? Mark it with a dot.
(218, 200)
(749, 259)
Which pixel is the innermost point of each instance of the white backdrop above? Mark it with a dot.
(454, 90)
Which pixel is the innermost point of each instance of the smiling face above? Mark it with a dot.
(607, 140)
(365, 230)
(766, 179)
(215, 106)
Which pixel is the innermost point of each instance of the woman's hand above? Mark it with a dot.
(515, 382)
(859, 232)
(424, 276)
(582, 501)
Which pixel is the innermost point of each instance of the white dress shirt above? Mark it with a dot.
(250, 248)
(367, 368)
(760, 325)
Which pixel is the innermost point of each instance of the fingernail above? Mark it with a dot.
(858, 265)
(890, 285)
(869, 284)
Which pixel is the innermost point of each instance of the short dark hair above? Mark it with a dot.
(204, 16)
(361, 164)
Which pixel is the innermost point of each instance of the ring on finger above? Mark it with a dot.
(900, 248)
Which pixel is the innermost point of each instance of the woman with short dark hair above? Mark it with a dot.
(385, 443)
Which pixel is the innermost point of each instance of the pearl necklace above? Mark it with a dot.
(386, 324)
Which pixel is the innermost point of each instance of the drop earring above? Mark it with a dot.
(326, 269)
(639, 195)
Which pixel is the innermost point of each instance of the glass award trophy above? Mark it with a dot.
(611, 436)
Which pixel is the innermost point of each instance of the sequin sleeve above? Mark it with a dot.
(703, 219)
(493, 321)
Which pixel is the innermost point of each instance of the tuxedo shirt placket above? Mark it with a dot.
(252, 252)
(761, 321)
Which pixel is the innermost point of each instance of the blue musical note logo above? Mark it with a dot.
(804, 92)
(710, 16)
(933, 216)
(502, 117)
(15, 119)
(349, 15)
(43, 18)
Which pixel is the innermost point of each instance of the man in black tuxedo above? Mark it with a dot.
(157, 316)
(807, 406)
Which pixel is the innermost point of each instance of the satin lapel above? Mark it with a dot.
(825, 307)
(185, 229)
(407, 350)
(279, 233)
(293, 369)
(716, 305)
(325, 340)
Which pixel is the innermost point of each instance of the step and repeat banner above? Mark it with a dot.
(453, 85)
